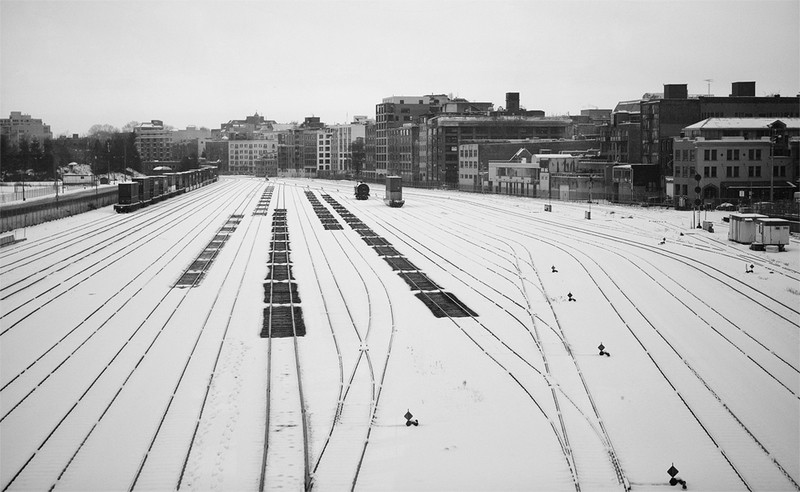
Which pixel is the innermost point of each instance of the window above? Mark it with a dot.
(754, 171)
(677, 155)
(731, 172)
(779, 171)
(733, 154)
(710, 171)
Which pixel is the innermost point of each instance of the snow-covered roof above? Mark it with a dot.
(551, 156)
(742, 123)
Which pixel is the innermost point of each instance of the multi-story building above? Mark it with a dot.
(475, 155)
(342, 140)
(738, 160)
(621, 140)
(529, 174)
(252, 157)
(217, 151)
(394, 112)
(370, 149)
(198, 136)
(20, 126)
(440, 137)
(289, 151)
(664, 117)
(246, 129)
(153, 141)
(324, 143)
(403, 152)
(590, 123)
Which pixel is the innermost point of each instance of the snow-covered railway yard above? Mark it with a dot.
(131, 354)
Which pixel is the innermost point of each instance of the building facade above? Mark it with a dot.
(342, 139)
(403, 152)
(20, 126)
(153, 141)
(442, 135)
(738, 160)
(394, 112)
(664, 117)
(526, 174)
(474, 155)
(252, 157)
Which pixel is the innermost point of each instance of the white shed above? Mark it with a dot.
(743, 227)
(771, 232)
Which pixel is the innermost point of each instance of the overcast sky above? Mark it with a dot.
(78, 63)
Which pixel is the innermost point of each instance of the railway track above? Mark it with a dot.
(137, 283)
(536, 389)
(128, 244)
(285, 459)
(565, 246)
(134, 350)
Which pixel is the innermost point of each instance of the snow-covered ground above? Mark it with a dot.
(112, 378)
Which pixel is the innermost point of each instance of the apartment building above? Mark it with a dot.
(253, 157)
(153, 141)
(343, 136)
(394, 112)
(20, 126)
(738, 160)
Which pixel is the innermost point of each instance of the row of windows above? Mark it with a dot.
(716, 154)
(252, 146)
(730, 171)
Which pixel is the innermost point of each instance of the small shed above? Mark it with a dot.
(77, 174)
(743, 227)
(771, 232)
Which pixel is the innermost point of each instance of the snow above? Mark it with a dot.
(112, 378)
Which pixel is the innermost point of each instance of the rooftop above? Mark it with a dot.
(742, 123)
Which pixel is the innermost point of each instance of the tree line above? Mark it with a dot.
(105, 148)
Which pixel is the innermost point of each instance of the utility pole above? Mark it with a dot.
(771, 162)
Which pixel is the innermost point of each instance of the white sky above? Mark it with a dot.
(78, 63)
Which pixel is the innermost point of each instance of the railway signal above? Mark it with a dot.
(674, 479)
(410, 422)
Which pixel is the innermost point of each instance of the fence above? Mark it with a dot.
(25, 214)
(19, 191)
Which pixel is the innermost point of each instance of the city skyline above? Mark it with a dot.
(75, 64)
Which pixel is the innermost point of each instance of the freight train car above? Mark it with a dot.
(394, 191)
(144, 190)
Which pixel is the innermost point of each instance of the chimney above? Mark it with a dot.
(675, 91)
(743, 89)
(512, 102)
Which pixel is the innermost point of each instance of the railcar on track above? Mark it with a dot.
(394, 191)
(141, 191)
(362, 191)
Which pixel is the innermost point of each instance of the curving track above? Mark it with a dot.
(112, 377)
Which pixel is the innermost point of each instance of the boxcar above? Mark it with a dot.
(394, 191)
